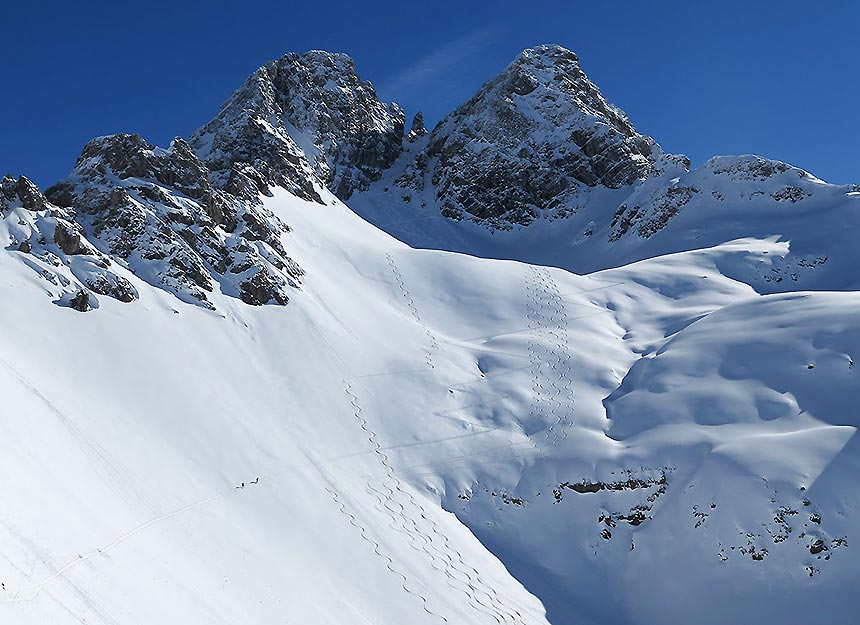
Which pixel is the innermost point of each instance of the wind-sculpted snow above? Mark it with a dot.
(786, 358)
(300, 122)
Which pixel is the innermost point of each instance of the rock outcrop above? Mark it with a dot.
(300, 122)
(417, 129)
(722, 181)
(158, 211)
(190, 218)
(57, 248)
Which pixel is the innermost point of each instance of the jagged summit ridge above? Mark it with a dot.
(303, 118)
(533, 139)
(537, 141)
(189, 218)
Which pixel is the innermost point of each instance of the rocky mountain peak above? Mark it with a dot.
(417, 129)
(532, 141)
(302, 121)
(23, 190)
(555, 73)
(131, 156)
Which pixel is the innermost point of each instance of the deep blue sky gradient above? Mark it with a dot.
(774, 78)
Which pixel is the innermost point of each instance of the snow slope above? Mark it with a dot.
(723, 200)
(437, 437)
(275, 408)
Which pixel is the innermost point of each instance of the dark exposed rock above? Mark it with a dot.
(113, 286)
(23, 191)
(81, 302)
(417, 129)
(532, 140)
(298, 120)
(789, 194)
(661, 207)
(750, 168)
(263, 288)
(31, 198)
(68, 237)
(631, 483)
(8, 187)
(158, 210)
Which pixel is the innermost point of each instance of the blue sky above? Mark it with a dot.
(776, 78)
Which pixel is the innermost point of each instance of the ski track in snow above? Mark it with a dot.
(458, 574)
(456, 571)
(549, 320)
(473, 587)
(413, 310)
(389, 563)
(560, 354)
(544, 294)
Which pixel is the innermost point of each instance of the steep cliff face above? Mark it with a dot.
(158, 211)
(533, 140)
(303, 120)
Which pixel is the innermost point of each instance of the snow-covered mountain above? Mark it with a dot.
(539, 167)
(586, 385)
(533, 140)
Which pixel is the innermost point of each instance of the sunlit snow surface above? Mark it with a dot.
(428, 437)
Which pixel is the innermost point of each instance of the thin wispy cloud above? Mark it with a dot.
(444, 66)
